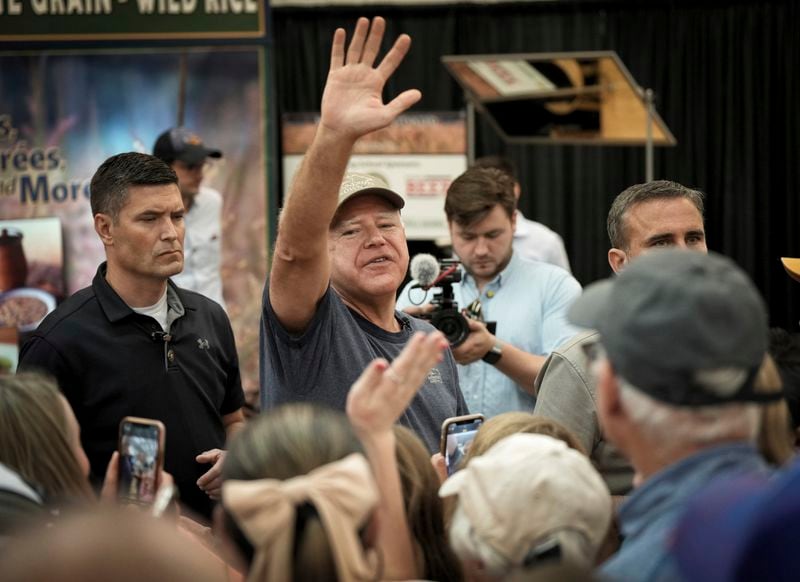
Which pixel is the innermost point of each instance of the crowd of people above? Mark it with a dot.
(641, 429)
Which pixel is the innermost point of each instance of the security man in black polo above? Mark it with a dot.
(133, 344)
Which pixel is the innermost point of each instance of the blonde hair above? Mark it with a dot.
(775, 438)
(424, 508)
(499, 427)
(286, 442)
(34, 440)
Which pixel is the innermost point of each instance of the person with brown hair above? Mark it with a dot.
(528, 300)
(532, 240)
(300, 499)
(642, 218)
(40, 439)
(424, 508)
(504, 425)
(134, 344)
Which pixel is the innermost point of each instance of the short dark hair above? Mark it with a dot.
(110, 183)
(501, 163)
(474, 193)
(639, 193)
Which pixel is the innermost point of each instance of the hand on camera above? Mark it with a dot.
(478, 342)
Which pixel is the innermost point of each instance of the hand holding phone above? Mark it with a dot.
(457, 435)
(141, 458)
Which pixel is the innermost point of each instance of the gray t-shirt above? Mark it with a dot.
(322, 363)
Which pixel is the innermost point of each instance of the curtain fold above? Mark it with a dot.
(727, 82)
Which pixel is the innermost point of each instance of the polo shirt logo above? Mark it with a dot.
(202, 343)
(435, 377)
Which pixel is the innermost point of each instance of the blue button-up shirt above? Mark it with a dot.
(529, 301)
(649, 515)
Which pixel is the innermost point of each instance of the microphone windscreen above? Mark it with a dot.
(425, 269)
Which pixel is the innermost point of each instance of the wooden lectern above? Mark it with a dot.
(579, 98)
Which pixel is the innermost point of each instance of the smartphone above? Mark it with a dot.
(457, 435)
(141, 457)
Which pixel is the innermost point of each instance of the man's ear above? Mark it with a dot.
(104, 227)
(618, 259)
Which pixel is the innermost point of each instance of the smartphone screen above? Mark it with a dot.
(458, 437)
(140, 443)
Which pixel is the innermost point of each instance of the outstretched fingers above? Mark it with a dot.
(357, 42)
(395, 56)
(337, 49)
(415, 362)
(374, 39)
(403, 101)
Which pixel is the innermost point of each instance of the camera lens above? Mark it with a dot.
(452, 324)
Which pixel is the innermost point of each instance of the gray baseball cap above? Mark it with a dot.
(675, 318)
(361, 184)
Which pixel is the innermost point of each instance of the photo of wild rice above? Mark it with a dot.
(24, 308)
(32, 255)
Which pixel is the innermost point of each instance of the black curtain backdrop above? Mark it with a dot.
(727, 82)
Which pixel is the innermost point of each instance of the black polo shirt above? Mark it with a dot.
(112, 362)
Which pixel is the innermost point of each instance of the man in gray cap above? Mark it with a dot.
(187, 155)
(341, 254)
(682, 336)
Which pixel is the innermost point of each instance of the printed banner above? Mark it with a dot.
(418, 156)
(62, 114)
(25, 20)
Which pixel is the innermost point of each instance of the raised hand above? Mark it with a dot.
(382, 392)
(352, 103)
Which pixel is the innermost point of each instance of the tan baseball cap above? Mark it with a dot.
(529, 489)
(360, 184)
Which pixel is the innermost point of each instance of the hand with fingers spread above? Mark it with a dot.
(383, 391)
(352, 104)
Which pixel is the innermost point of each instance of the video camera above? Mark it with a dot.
(446, 316)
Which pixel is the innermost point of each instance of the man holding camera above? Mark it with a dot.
(527, 300)
(341, 254)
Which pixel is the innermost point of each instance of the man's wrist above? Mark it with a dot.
(493, 355)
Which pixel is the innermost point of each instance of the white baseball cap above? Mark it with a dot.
(529, 489)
